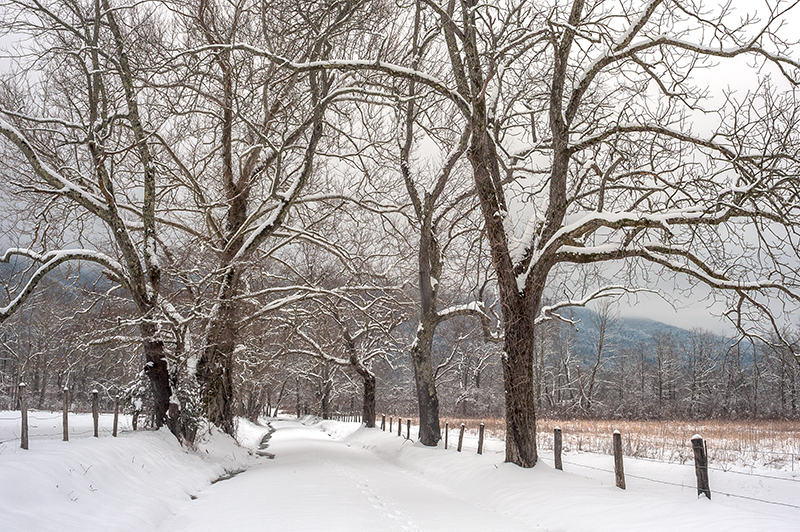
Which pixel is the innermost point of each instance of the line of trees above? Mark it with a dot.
(670, 375)
(269, 193)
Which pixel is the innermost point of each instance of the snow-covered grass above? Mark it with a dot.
(337, 476)
(659, 496)
(132, 482)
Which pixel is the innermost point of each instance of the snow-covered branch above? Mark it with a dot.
(51, 260)
(549, 312)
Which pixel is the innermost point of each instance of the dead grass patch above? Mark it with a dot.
(759, 442)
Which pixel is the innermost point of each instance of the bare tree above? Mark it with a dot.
(76, 137)
(431, 220)
(605, 323)
(562, 99)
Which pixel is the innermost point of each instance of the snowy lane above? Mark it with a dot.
(336, 476)
(318, 483)
(341, 477)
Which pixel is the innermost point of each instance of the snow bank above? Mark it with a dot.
(129, 483)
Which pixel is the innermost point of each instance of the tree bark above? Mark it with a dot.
(520, 396)
(429, 432)
(157, 371)
(517, 306)
(215, 368)
(369, 401)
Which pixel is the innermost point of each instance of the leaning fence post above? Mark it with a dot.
(619, 471)
(408, 429)
(383, 422)
(557, 448)
(23, 411)
(95, 412)
(65, 414)
(701, 465)
(446, 431)
(461, 437)
(116, 416)
(480, 439)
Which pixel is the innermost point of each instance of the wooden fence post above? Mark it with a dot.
(95, 412)
(480, 439)
(408, 429)
(399, 425)
(461, 437)
(446, 432)
(619, 472)
(390, 424)
(65, 415)
(383, 422)
(701, 465)
(557, 448)
(23, 411)
(116, 416)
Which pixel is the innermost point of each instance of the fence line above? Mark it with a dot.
(683, 464)
(795, 457)
(666, 482)
(54, 437)
(684, 486)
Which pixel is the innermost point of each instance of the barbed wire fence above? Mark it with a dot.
(792, 457)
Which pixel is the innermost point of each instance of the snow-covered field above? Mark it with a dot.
(338, 476)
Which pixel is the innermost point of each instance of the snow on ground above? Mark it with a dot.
(129, 483)
(337, 476)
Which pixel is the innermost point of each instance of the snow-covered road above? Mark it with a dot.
(319, 482)
(341, 477)
(336, 476)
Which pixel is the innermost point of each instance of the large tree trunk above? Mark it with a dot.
(518, 307)
(165, 412)
(215, 374)
(215, 367)
(429, 431)
(369, 401)
(368, 408)
(520, 393)
(325, 391)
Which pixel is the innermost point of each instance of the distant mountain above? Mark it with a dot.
(628, 333)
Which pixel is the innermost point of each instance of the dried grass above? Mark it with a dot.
(767, 443)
